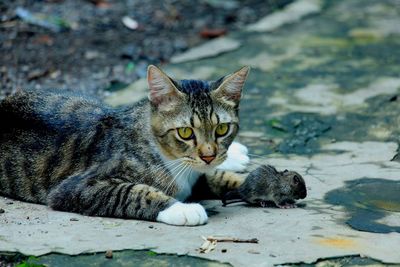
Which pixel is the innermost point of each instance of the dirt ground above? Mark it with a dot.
(93, 50)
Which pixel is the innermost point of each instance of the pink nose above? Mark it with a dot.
(207, 159)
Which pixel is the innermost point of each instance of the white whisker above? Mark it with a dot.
(257, 156)
(175, 177)
(164, 175)
(159, 172)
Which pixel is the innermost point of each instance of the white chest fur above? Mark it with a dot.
(186, 183)
(185, 178)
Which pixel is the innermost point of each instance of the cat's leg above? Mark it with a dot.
(220, 181)
(84, 193)
(226, 177)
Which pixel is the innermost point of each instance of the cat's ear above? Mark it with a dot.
(230, 88)
(163, 93)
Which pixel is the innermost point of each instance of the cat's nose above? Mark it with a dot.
(207, 159)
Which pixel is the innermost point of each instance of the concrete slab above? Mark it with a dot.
(305, 234)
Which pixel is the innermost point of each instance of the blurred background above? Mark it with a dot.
(99, 45)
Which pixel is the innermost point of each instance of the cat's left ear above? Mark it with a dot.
(163, 93)
(230, 89)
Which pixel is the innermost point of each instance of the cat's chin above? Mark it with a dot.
(204, 168)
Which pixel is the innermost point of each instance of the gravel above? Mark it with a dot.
(98, 52)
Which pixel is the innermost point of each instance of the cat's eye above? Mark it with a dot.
(222, 129)
(185, 133)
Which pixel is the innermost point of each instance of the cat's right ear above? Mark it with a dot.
(163, 93)
(230, 89)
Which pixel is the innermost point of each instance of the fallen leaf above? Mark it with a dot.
(207, 246)
(55, 24)
(151, 253)
(109, 254)
(276, 124)
(209, 49)
(212, 33)
(44, 39)
(36, 74)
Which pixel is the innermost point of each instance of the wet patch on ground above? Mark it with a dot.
(140, 258)
(343, 262)
(304, 130)
(304, 133)
(368, 201)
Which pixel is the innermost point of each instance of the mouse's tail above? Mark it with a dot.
(231, 197)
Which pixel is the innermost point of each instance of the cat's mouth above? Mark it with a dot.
(201, 166)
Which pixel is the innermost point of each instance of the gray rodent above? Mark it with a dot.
(265, 185)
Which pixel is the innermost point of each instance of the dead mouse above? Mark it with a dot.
(266, 185)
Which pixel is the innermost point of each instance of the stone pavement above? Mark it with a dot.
(323, 98)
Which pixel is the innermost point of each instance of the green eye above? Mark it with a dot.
(185, 133)
(222, 129)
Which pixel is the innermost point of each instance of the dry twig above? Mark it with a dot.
(210, 242)
(232, 239)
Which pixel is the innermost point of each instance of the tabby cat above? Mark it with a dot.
(75, 154)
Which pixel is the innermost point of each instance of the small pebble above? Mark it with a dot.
(151, 226)
(73, 219)
(109, 254)
(224, 250)
(2, 211)
(130, 23)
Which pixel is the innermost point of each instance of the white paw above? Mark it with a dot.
(237, 158)
(183, 214)
(236, 146)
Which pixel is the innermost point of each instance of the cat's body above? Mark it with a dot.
(76, 154)
(58, 136)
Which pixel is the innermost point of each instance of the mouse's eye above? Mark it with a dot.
(222, 129)
(296, 180)
(185, 133)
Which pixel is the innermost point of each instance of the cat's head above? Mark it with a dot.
(195, 120)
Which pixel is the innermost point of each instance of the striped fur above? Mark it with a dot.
(76, 154)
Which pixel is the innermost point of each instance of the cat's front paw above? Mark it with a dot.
(237, 159)
(183, 214)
